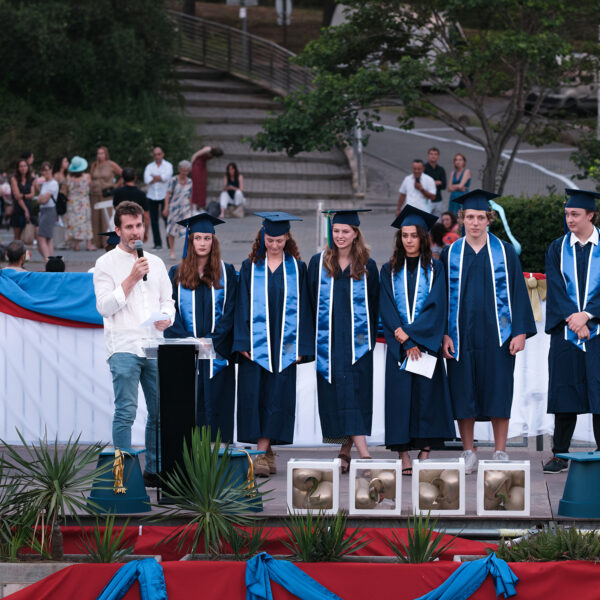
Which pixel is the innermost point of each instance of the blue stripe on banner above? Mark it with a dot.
(324, 308)
(422, 289)
(260, 342)
(290, 326)
(455, 264)
(219, 301)
(501, 287)
(187, 308)
(361, 327)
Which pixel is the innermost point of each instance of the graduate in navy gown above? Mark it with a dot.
(572, 320)
(412, 304)
(487, 325)
(204, 289)
(344, 289)
(273, 332)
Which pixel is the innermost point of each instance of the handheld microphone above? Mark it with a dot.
(140, 252)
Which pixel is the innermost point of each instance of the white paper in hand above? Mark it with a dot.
(154, 317)
(425, 366)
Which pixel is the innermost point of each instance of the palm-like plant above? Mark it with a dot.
(54, 481)
(105, 545)
(206, 489)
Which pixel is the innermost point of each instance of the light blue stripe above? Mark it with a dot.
(323, 337)
(360, 314)
(260, 343)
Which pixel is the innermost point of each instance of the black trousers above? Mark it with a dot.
(156, 208)
(564, 426)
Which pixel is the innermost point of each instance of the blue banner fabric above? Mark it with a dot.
(149, 574)
(63, 295)
(422, 289)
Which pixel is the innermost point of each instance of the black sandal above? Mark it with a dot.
(407, 471)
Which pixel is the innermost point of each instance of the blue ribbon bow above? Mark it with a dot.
(149, 574)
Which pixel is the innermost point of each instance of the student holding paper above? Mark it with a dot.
(412, 304)
(489, 318)
(344, 289)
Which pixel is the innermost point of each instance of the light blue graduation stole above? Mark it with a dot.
(400, 287)
(260, 338)
(187, 310)
(361, 326)
(500, 282)
(568, 268)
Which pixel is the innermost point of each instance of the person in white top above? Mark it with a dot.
(156, 177)
(417, 189)
(125, 301)
(47, 194)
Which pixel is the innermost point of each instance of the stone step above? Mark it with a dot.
(186, 71)
(225, 86)
(227, 101)
(282, 169)
(291, 203)
(204, 114)
(254, 186)
(222, 130)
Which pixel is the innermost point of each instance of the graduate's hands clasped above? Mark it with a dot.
(577, 323)
(400, 335)
(517, 344)
(448, 347)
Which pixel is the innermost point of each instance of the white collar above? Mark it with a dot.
(593, 238)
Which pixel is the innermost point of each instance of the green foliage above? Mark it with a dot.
(205, 489)
(322, 538)
(106, 546)
(535, 222)
(587, 158)
(553, 542)
(424, 544)
(54, 481)
(245, 544)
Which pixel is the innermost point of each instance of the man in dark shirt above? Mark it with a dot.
(131, 192)
(438, 174)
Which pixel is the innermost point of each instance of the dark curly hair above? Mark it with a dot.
(399, 255)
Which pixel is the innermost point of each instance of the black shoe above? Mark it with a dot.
(157, 247)
(151, 479)
(556, 465)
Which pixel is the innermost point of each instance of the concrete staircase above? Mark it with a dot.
(225, 110)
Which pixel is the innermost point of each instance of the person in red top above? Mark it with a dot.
(200, 175)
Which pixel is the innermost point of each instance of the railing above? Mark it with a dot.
(248, 56)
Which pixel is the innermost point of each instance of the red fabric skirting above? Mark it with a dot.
(225, 580)
(10, 308)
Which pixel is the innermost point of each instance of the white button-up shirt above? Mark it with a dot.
(158, 190)
(123, 315)
(416, 197)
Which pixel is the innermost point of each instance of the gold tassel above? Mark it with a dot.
(118, 469)
(250, 475)
(536, 288)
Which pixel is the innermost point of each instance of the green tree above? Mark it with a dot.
(392, 51)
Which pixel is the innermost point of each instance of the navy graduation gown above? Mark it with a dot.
(266, 405)
(346, 404)
(416, 408)
(574, 375)
(215, 398)
(481, 382)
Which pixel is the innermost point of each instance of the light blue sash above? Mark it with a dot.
(400, 287)
(187, 310)
(361, 326)
(500, 282)
(568, 268)
(260, 338)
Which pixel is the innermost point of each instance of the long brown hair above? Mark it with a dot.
(187, 271)
(359, 257)
(399, 255)
(290, 248)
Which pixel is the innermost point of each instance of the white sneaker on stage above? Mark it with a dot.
(500, 455)
(470, 461)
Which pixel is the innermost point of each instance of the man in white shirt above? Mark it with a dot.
(417, 189)
(126, 301)
(156, 177)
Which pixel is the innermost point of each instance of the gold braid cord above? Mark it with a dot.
(118, 468)
(250, 476)
(536, 288)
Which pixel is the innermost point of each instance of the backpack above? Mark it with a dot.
(61, 203)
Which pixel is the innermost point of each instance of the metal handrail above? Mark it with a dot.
(242, 54)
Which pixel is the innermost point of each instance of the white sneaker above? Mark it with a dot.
(470, 461)
(500, 455)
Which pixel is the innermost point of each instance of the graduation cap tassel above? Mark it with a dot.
(185, 245)
(262, 241)
(329, 233)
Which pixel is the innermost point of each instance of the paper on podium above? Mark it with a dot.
(153, 318)
(204, 346)
(425, 366)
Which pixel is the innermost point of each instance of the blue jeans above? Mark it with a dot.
(128, 371)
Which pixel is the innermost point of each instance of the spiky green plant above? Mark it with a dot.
(54, 481)
(246, 543)
(424, 543)
(205, 489)
(105, 545)
(322, 538)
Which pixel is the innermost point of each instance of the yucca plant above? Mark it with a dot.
(245, 544)
(54, 481)
(105, 545)
(424, 543)
(322, 538)
(206, 489)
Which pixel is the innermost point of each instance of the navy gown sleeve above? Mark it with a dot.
(306, 343)
(373, 294)
(558, 304)
(241, 323)
(223, 335)
(444, 261)
(178, 329)
(313, 283)
(390, 317)
(522, 313)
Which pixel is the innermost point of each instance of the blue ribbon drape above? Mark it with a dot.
(149, 575)
(470, 575)
(260, 338)
(499, 269)
(568, 267)
(263, 567)
(422, 289)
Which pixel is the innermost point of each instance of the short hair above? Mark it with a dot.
(15, 250)
(418, 160)
(127, 208)
(184, 164)
(45, 165)
(490, 214)
(433, 149)
(128, 174)
(55, 264)
(26, 154)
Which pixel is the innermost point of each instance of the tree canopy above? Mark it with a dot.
(391, 51)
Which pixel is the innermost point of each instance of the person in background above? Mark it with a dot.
(78, 217)
(232, 197)
(47, 194)
(16, 255)
(436, 234)
(130, 192)
(6, 202)
(55, 264)
(200, 175)
(23, 190)
(156, 176)
(60, 171)
(344, 289)
(178, 203)
(28, 156)
(438, 174)
(417, 189)
(460, 181)
(450, 221)
(104, 173)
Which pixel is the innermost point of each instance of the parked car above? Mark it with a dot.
(573, 96)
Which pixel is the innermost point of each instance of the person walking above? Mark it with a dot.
(156, 176)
